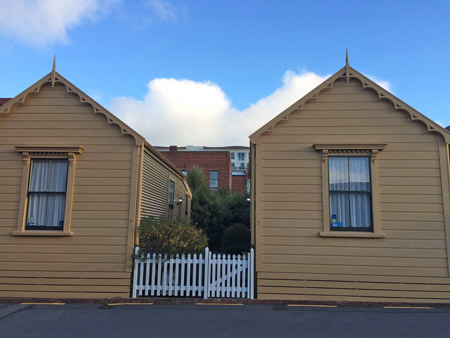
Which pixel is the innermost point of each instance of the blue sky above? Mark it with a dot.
(217, 70)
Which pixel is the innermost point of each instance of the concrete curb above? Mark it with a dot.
(218, 301)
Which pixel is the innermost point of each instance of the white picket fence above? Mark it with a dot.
(208, 276)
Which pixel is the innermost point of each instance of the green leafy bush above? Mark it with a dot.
(215, 212)
(236, 239)
(171, 238)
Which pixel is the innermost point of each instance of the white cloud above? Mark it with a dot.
(177, 112)
(181, 112)
(162, 9)
(145, 13)
(187, 112)
(40, 23)
(382, 83)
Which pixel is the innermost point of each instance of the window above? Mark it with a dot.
(46, 194)
(186, 207)
(185, 173)
(241, 156)
(350, 193)
(171, 198)
(242, 166)
(232, 155)
(213, 179)
(350, 190)
(45, 205)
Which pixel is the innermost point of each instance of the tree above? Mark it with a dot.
(199, 190)
(215, 212)
(236, 239)
(197, 182)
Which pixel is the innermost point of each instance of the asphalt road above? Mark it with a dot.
(189, 320)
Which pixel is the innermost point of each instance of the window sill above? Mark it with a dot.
(42, 233)
(350, 234)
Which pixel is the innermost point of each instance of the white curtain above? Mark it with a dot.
(47, 193)
(360, 196)
(338, 186)
(350, 194)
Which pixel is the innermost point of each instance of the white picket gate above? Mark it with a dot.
(208, 276)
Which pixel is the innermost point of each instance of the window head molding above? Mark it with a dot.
(52, 151)
(30, 153)
(350, 149)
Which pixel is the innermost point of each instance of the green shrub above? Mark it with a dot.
(171, 238)
(215, 212)
(236, 239)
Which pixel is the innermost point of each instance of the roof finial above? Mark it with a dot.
(347, 70)
(54, 72)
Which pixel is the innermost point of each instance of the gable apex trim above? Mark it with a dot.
(382, 93)
(84, 98)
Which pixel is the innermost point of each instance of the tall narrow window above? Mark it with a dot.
(46, 194)
(171, 198)
(186, 207)
(213, 179)
(350, 193)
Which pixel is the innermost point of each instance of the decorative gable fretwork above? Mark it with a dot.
(349, 73)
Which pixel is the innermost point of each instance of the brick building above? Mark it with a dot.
(216, 165)
(239, 182)
(208, 158)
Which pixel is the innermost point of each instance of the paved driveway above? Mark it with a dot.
(189, 320)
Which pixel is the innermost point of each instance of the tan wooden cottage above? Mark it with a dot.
(74, 183)
(350, 198)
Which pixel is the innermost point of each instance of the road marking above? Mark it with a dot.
(408, 307)
(118, 304)
(312, 305)
(212, 304)
(43, 303)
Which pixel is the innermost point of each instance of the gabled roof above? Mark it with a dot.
(54, 77)
(3, 101)
(448, 128)
(202, 148)
(348, 72)
(97, 108)
(229, 147)
(164, 148)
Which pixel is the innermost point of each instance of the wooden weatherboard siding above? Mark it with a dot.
(91, 262)
(109, 173)
(409, 263)
(155, 188)
(154, 184)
